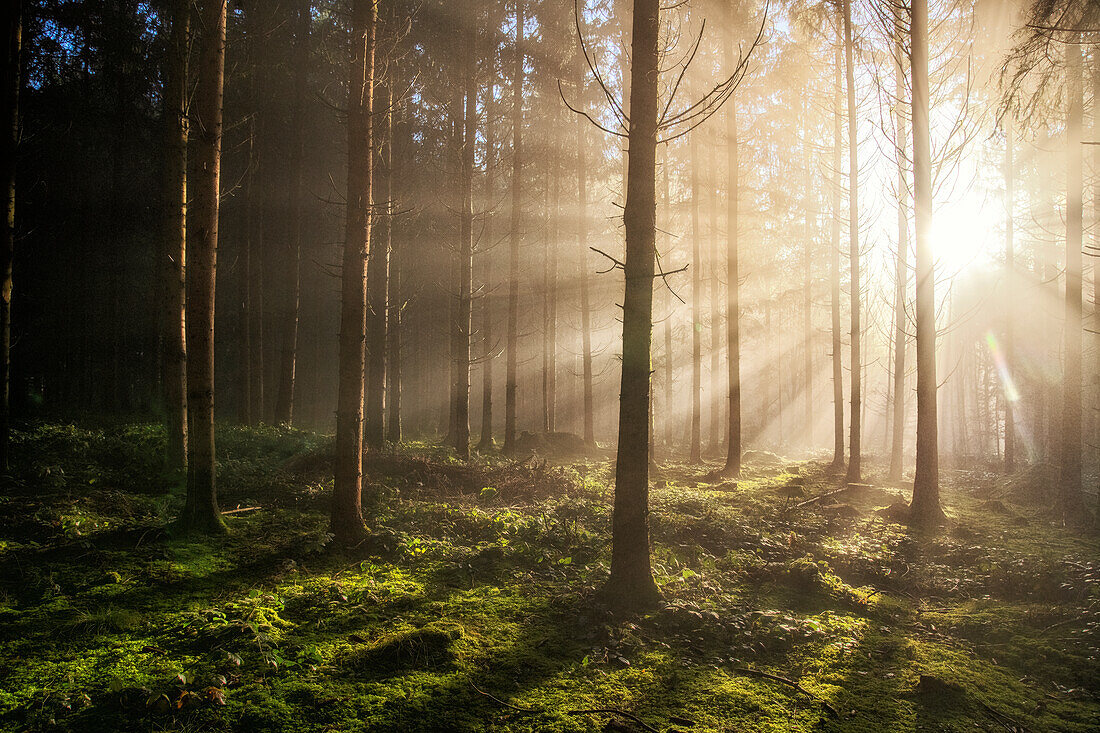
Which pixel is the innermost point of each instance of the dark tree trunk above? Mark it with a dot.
(13, 37)
(854, 437)
(347, 513)
(378, 276)
(631, 584)
(513, 239)
(464, 323)
(925, 508)
(200, 512)
(292, 253)
(174, 341)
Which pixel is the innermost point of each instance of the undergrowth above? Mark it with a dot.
(471, 605)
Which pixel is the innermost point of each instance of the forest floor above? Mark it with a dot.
(471, 607)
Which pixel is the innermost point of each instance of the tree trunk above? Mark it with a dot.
(925, 508)
(669, 420)
(347, 514)
(1010, 294)
(175, 238)
(715, 405)
(253, 272)
(1071, 499)
(486, 442)
(807, 311)
(696, 453)
(631, 585)
(897, 441)
(378, 276)
(200, 511)
(513, 239)
(854, 437)
(834, 282)
(464, 323)
(733, 288)
(292, 256)
(13, 38)
(586, 312)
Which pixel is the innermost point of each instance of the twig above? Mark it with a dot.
(819, 497)
(242, 509)
(613, 711)
(498, 701)
(792, 683)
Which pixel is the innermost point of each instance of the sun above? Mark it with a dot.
(965, 233)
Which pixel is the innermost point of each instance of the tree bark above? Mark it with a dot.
(513, 239)
(925, 508)
(855, 434)
(464, 323)
(200, 511)
(292, 251)
(174, 341)
(733, 288)
(834, 282)
(378, 275)
(486, 442)
(13, 38)
(901, 283)
(631, 585)
(586, 306)
(696, 450)
(1010, 294)
(347, 514)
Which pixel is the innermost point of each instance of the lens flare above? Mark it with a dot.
(1002, 367)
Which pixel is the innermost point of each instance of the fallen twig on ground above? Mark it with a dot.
(792, 683)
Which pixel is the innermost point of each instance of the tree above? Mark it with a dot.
(200, 512)
(631, 584)
(901, 281)
(378, 271)
(1010, 278)
(347, 513)
(13, 36)
(514, 234)
(733, 286)
(834, 280)
(925, 508)
(696, 310)
(464, 323)
(855, 434)
(291, 260)
(175, 236)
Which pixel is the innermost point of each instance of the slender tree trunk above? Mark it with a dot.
(486, 442)
(715, 405)
(1096, 264)
(13, 38)
(513, 239)
(394, 340)
(254, 275)
(1071, 499)
(631, 583)
(200, 512)
(586, 308)
(669, 417)
(696, 310)
(378, 276)
(854, 437)
(175, 297)
(464, 322)
(1010, 294)
(901, 280)
(733, 290)
(807, 312)
(925, 508)
(347, 514)
(292, 257)
(834, 282)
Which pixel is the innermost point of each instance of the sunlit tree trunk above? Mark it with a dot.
(713, 402)
(486, 442)
(1071, 499)
(901, 282)
(175, 236)
(347, 514)
(834, 280)
(200, 511)
(378, 274)
(669, 420)
(394, 325)
(733, 290)
(512, 345)
(1010, 295)
(696, 454)
(1096, 261)
(807, 302)
(925, 508)
(292, 252)
(464, 322)
(631, 582)
(855, 434)
(550, 305)
(586, 306)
